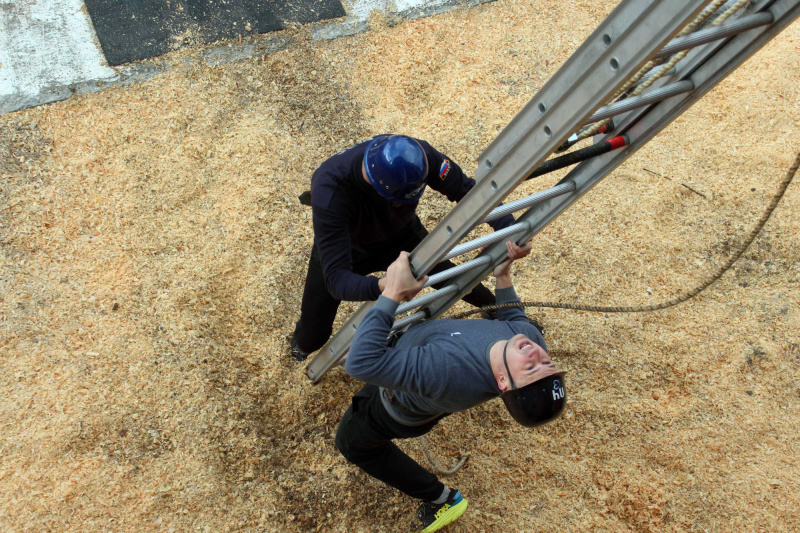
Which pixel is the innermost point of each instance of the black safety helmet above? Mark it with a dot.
(537, 403)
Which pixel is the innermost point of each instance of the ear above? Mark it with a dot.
(364, 172)
(502, 381)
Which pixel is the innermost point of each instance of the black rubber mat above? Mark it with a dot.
(130, 30)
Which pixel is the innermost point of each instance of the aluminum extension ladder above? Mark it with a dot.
(636, 32)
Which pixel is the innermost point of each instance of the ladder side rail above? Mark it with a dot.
(709, 69)
(335, 349)
(622, 44)
(632, 34)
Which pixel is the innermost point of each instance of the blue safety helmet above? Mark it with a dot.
(397, 168)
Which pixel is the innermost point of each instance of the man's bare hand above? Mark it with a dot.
(401, 285)
(502, 272)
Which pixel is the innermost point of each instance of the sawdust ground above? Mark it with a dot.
(153, 255)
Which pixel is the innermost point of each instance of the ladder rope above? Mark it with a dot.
(437, 466)
(664, 68)
(680, 55)
(679, 299)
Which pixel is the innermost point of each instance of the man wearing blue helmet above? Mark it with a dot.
(437, 368)
(364, 202)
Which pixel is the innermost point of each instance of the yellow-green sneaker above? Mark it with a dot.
(435, 516)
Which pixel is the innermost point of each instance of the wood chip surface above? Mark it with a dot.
(152, 259)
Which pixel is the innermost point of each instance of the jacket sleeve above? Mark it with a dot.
(369, 355)
(332, 238)
(517, 315)
(509, 314)
(446, 177)
(409, 369)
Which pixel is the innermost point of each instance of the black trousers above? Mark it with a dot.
(318, 308)
(365, 438)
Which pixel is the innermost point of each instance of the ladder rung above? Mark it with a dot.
(480, 242)
(410, 319)
(634, 102)
(522, 203)
(718, 32)
(424, 300)
(456, 270)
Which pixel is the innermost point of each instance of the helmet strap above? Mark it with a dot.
(508, 371)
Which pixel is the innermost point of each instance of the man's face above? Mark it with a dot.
(527, 362)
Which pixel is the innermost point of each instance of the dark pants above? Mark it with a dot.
(365, 439)
(318, 308)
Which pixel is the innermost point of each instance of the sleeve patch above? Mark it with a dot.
(444, 169)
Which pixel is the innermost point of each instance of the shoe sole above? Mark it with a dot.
(448, 517)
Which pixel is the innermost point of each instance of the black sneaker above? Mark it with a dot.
(435, 516)
(489, 315)
(297, 353)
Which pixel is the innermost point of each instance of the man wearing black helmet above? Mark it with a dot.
(437, 368)
(364, 202)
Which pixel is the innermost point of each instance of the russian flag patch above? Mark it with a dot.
(444, 169)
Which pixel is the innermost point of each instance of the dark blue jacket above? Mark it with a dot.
(347, 212)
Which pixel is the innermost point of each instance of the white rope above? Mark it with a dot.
(664, 68)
